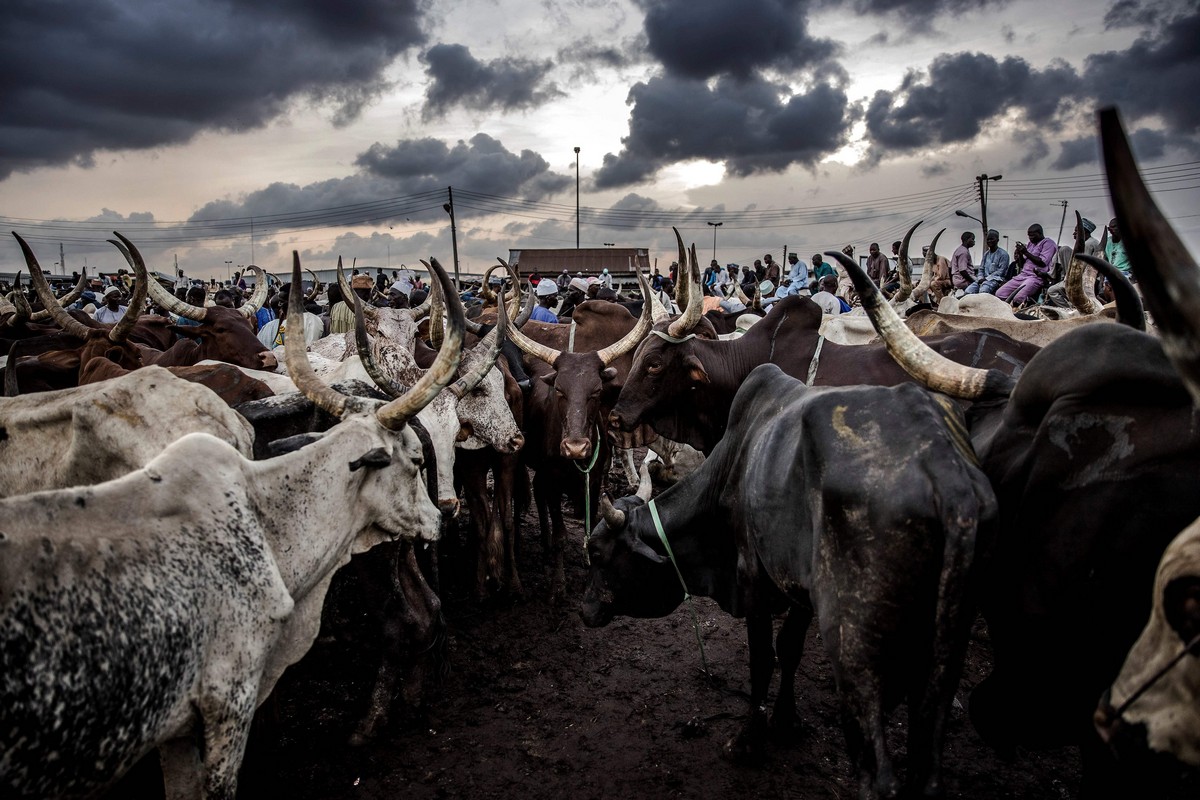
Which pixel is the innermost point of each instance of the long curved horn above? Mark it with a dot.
(683, 275)
(1074, 278)
(612, 516)
(295, 355)
(316, 290)
(645, 485)
(920, 361)
(757, 303)
(120, 332)
(658, 312)
(426, 307)
(1129, 302)
(49, 301)
(21, 303)
(927, 270)
(535, 349)
(1167, 273)
(437, 310)
(67, 299)
(515, 274)
(385, 382)
(487, 350)
(396, 414)
(695, 296)
(902, 267)
(634, 337)
(249, 308)
(526, 310)
(164, 299)
(348, 293)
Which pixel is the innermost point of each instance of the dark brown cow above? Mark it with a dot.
(683, 379)
(576, 370)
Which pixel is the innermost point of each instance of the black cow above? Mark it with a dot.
(862, 504)
(1094, 455)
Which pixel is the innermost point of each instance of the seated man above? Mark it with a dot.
(939, 284)
(828, 301)
(1035, 260)
(992, 266)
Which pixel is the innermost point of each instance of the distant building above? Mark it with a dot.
(587, 260)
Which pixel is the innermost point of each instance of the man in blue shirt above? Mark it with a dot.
(992, 266)
(547, 295)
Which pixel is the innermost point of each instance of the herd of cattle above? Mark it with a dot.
(173, 511)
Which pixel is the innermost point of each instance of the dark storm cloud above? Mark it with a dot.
(456, 78)
(751, 125)
(704, 38)
(960, 94)
(1159, 75)
(1131, 13)
(1147, 144)
(408, 168)
(923, 10)
(79, 76)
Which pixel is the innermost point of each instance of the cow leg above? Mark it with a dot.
(474, 479)
(226, 722)
(411, 630)
(554, 531)
(749, 745)
(180, 763)
(789, 648)
(863, 725)
(505, 520)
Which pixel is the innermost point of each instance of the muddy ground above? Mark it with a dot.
(535, 705)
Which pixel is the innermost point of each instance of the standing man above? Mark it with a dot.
(992, 266)
(877, 265)
(563, 281)
(962, 271)
(1035, 260)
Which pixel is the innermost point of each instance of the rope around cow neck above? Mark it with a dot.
(662, 534)
(587, 491)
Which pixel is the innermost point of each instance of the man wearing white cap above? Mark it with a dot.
(112, 310)
(547, 295)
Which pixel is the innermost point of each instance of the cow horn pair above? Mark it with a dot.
(395, 414)
(926, 271)
(902, 267)
(515, 309)
(483, 355)
(181, 308)
(692, 301)
(606, 355)
(119, 332)
(348, 296)
(1081, 296)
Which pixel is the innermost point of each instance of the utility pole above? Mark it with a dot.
(62, 259)
(449, 209)
(715, 225)
(1063, 223)
(983, 181)
(576, 198)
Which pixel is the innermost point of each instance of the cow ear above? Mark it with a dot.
(695, 369)
(644, 550)
(549, 377)
(376, 457)
(609, 374)
(1181, 606)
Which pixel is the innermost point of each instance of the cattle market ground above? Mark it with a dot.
(535, 705)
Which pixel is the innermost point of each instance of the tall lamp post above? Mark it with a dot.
(449, 209)
(715, 225)
(228, 268)
(576, 198)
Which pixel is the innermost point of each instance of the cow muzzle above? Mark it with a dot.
(576, 449)
(268, 361)
(449, 507)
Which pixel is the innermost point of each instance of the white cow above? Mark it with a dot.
(97, 432)
(158, 609)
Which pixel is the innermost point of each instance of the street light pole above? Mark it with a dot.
(449, 209)
(228, 267)
(715, 225)
(576, 198)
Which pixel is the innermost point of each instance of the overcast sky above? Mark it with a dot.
(336, 128)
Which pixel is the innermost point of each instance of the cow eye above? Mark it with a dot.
(654, 369)
(1181, 606)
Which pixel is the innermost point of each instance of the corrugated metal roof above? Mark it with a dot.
(587, 260)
